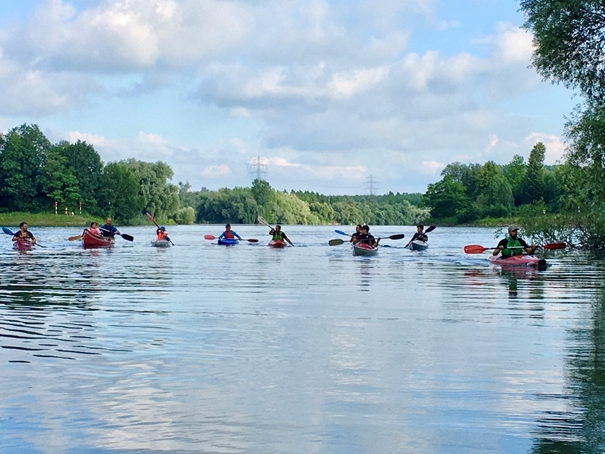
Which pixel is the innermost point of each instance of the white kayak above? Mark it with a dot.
(161, 243)
(418, 245)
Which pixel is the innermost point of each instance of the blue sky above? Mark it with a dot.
(326, 93)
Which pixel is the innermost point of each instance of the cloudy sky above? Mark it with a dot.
(328, 93)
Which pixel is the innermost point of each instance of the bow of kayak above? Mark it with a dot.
(418, 245)
(90, 240)
(161, 243)
(364, 249)
(23, 244)
(518, 260)
(228, 241)
(277, 243)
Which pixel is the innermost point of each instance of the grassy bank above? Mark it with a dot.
(46, 220)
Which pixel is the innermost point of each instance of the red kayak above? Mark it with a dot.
(89, 240)
(364, 249)
(522, 260)
(23, 244)
(277, 243)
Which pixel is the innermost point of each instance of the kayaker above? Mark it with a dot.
(419, 235)
(278, 235)
(24, 234)
(355, 236)
(513, 245)
(162, 234)
(108, 230)
(229, 234)
(366, 238)
(94, 229)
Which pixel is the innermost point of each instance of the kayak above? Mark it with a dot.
(23, 245)
(161, 243)
(228, 241)
(418, 245)
(521, 260)
(364, 249)
(277, 243)
(89, 240)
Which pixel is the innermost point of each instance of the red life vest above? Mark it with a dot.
(228, 234)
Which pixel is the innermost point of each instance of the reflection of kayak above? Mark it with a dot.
(161, 243)
(228, 241)
(23, 244)
(277, 243)
(364, 249)
(418, 245)
(89, 240)
(523, 260)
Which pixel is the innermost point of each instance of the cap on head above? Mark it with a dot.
(512, 228)
(162, 228)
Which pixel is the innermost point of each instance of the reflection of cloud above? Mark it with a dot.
(216, 171)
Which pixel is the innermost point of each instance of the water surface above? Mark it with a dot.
(206, 348)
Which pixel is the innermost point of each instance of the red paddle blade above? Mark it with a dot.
(474, 249)
(149, 216)
(209, 237)
(554, 246)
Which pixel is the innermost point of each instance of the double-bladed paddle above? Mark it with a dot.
(338, 241)
(264, 222)
(212, 237)
(9, 232)
(478, 249)
(123, 235)
(152, 219)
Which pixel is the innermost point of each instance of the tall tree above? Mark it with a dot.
(120, 197)
(533, 184)
(22, 154)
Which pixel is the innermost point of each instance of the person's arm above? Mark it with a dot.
(500, 247)
(116, 231)
(527, 248)
(236, 235)
(221, 236)
(272, 232)
(16, 236)
(33, 238)
(287, 239)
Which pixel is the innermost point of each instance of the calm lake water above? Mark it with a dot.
(248, 349)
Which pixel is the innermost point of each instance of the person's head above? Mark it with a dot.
(358, 228)
(227, 227)
(512, 231)
(419, 228)
(365, 229)
(277, 228)
(163, 229)
(23, 226)
(108, 221)
(94, 225)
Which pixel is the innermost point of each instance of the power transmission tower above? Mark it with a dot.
(258, 169)
(371, 185)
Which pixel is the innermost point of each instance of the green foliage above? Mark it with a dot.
(185, 216)
(120, 193)
(446, 198)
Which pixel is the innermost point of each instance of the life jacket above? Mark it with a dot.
(366, 239)
(228, 235)
(278, 236)
(162, 235)
(27, 235)
(95, 231)
(510, 243)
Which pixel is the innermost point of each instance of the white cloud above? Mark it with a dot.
(216, 171)
(555, 147)
(431, 167)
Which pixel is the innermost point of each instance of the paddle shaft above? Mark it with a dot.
(152, 219)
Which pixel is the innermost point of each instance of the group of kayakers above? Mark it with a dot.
(510, 245)
(277, 234)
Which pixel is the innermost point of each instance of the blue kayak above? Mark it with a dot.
(228, 241)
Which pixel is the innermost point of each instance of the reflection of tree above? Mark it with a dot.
(581, 429)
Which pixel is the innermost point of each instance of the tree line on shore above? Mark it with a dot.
(34, 174)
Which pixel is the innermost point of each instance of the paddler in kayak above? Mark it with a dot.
(278, 235)
(513, 245)
(419, 235)
(366, 238)
(162, 234)
(229, 234)
(108, 230)
(355, 236)
(24, 234)
(94, 229)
